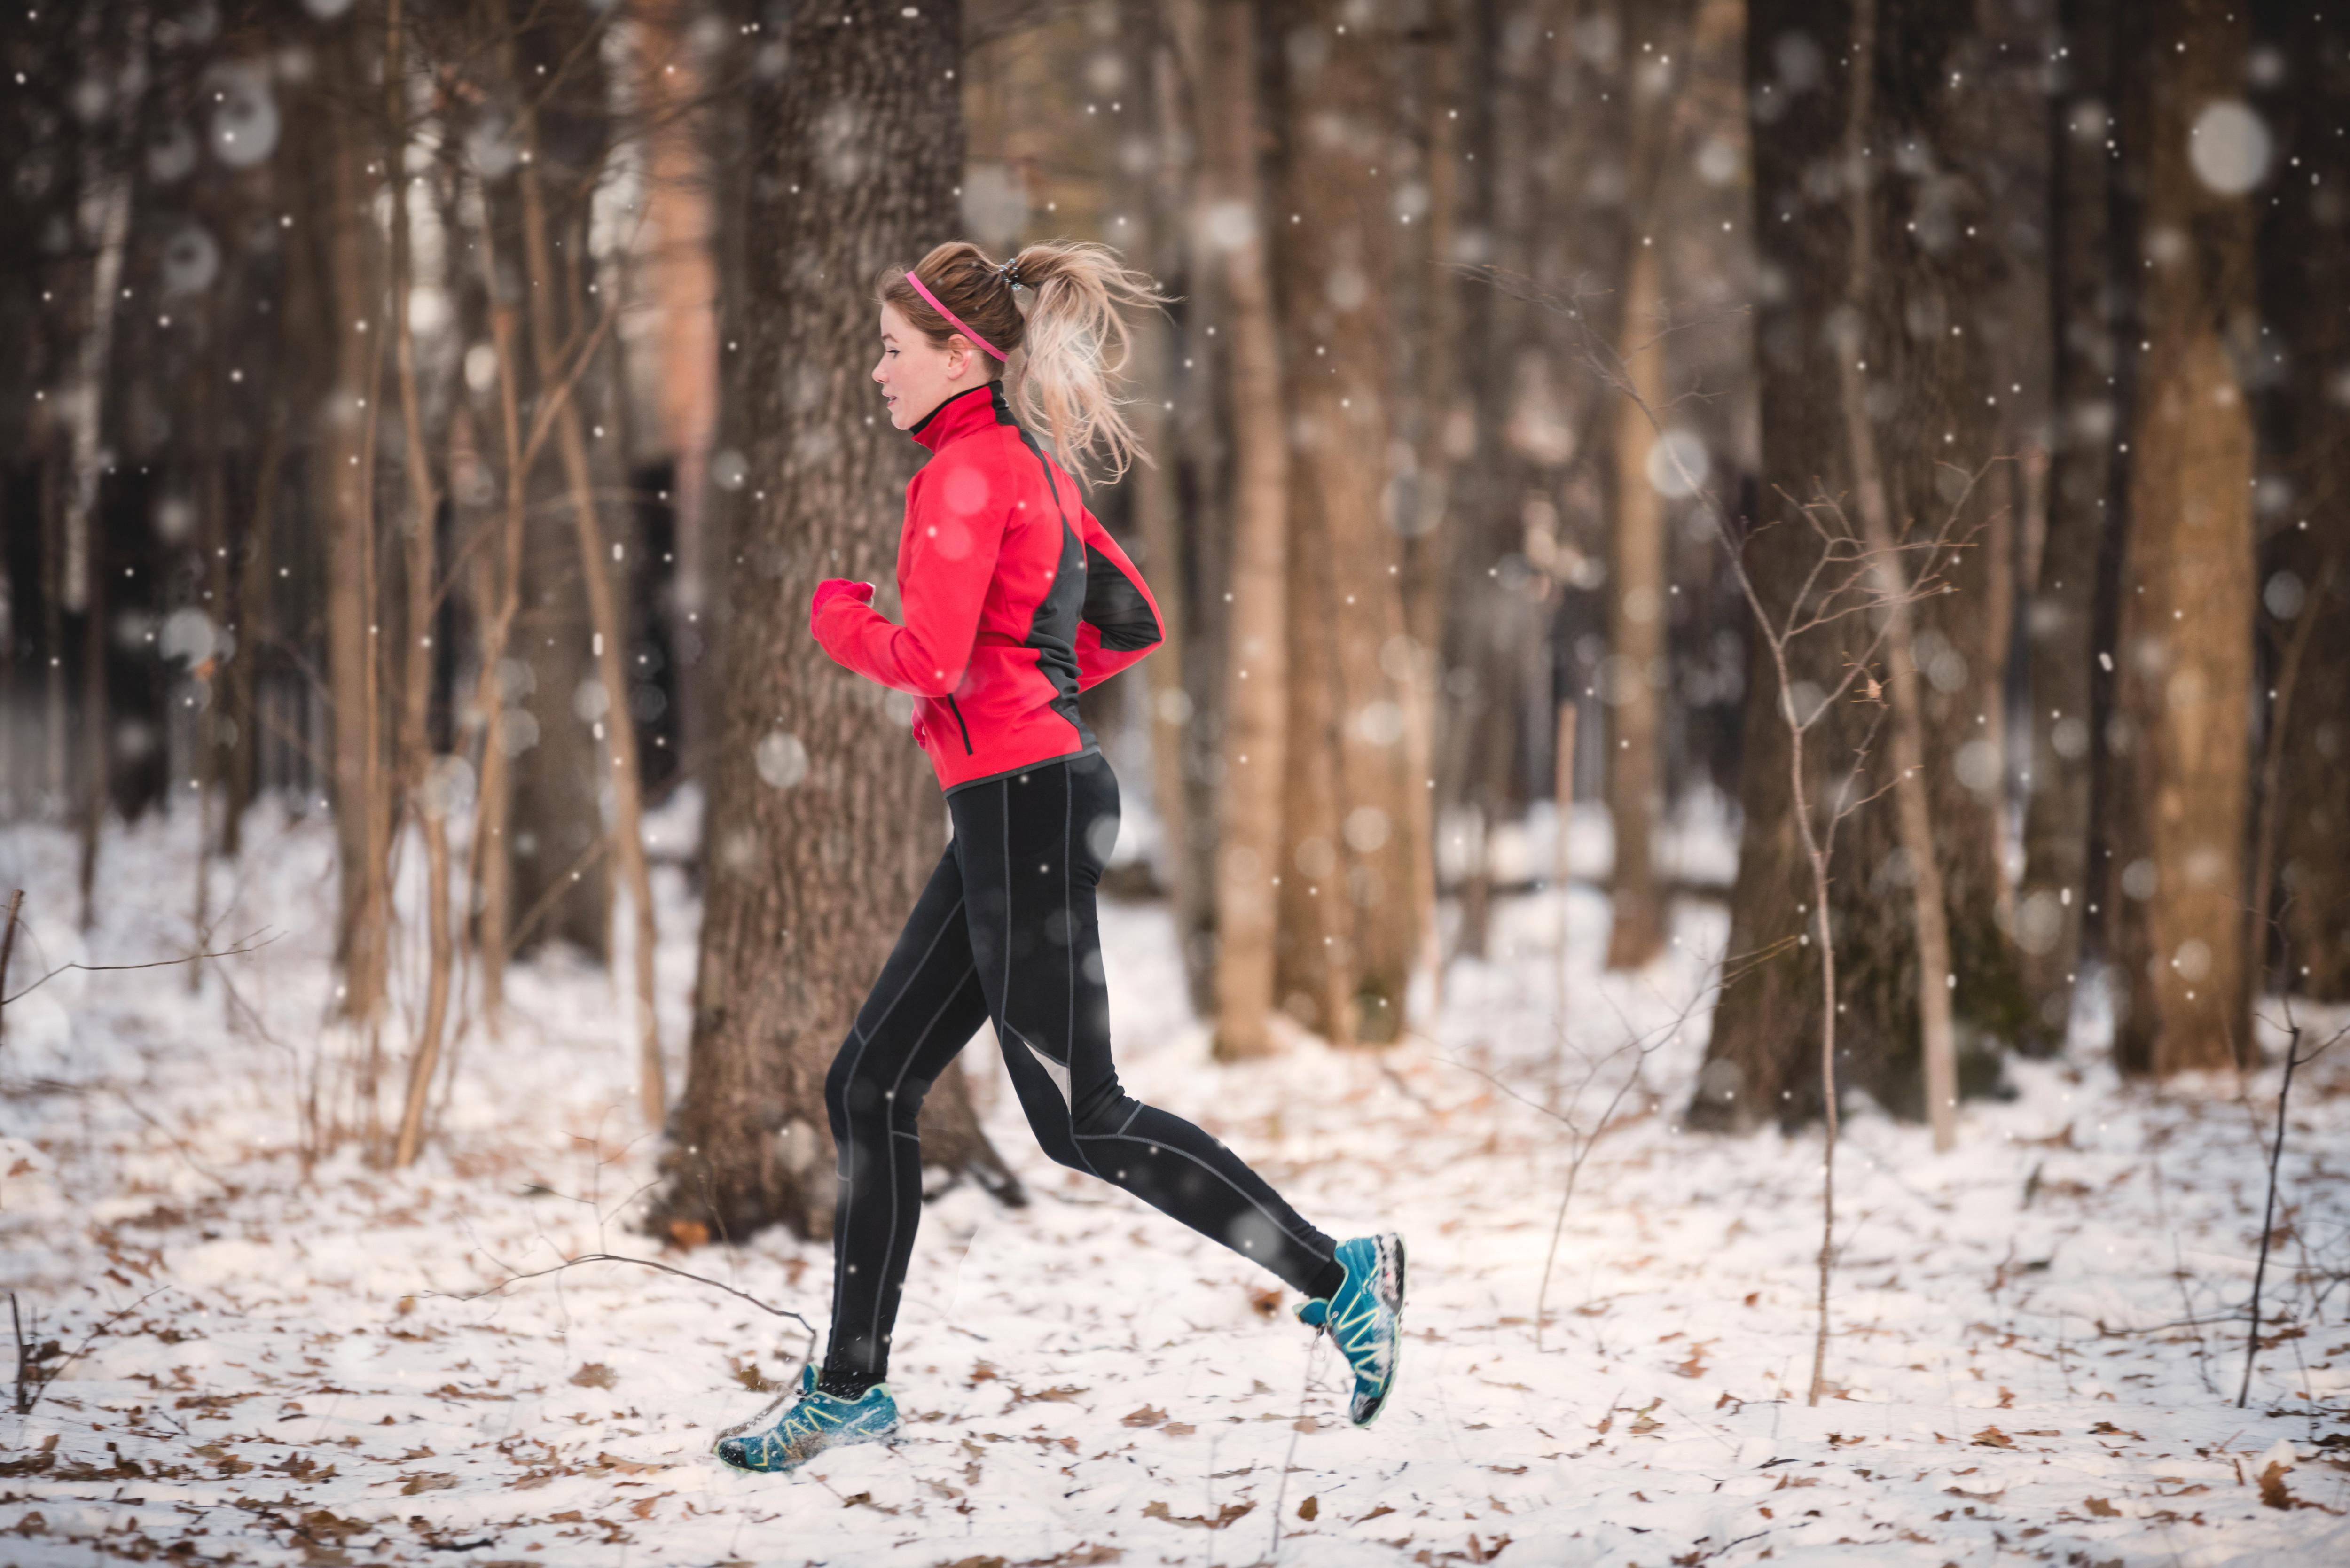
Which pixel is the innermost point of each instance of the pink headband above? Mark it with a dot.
(950, 316)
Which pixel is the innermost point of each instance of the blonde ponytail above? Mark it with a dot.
(1067, 348)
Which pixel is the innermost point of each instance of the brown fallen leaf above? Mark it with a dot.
(411, 1485)
(1064, 1394)
(1992, 1437)
(595, 1374)
(2273, 1490)
(1382, 1508)
(625, 1467)
(2006, 1397)
(687, 1234)
(1148, 1416)
(1224, 1515)
(2103, 1508)
(2108, 1429)
(749, 1376)
(1310, 1508)
(1179, 1428)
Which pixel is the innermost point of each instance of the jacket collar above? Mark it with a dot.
(974, 408)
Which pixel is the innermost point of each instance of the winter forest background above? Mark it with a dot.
(1784, 570)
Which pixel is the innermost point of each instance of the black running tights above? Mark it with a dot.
(1005, 931)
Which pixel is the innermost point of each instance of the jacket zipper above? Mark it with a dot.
(960, 724)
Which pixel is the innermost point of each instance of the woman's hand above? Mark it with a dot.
(832, 589)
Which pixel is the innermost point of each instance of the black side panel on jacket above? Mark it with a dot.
(1053, 631)
(1114, 607)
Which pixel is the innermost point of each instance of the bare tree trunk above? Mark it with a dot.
(56, 728)
(2305, 275)
(1337, 122)
(1637, 613)
(1149, 51)
(105, 220)
(613, 726)
(680, 277)
(1232, 224)
(253, 628)
(422, 781)
(2185, 649)
(2083, 503)
(1428, 382)
(95, 773)
(560, 849)
(498, 590)
(1931, 931)
(1562, 867)
(1931, 382)
(822, 823)
(343, 470)
(207, 676)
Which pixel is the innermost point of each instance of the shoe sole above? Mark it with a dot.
(1395, 1361)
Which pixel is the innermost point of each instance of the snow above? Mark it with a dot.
(317, 1377)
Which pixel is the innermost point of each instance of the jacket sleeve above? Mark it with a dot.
(1120, 622)
(952, 537)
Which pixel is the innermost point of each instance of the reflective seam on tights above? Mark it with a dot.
(845, 1203)
(1122, 1137)
(887, 1288)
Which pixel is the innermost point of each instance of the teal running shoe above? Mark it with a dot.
(813, 1423)
(1364, 1320)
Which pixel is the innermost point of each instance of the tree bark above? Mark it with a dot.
(1147, 52)
(680, 277)
(612, 722)
(2184, 655)
(422, 782)
(343, 473)
(822, 823)
(253, 627)
(2085, 500)
(1352, 841)
(1931, 386)
(1231, 229)
(557, 838)
(2305, 275)
(1634, 679)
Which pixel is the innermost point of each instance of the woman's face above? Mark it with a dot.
(914, 376)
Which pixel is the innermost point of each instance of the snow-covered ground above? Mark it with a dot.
(2025, 1361)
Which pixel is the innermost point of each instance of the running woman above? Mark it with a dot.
(1015, 600)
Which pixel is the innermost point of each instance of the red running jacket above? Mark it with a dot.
(1015, 600)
